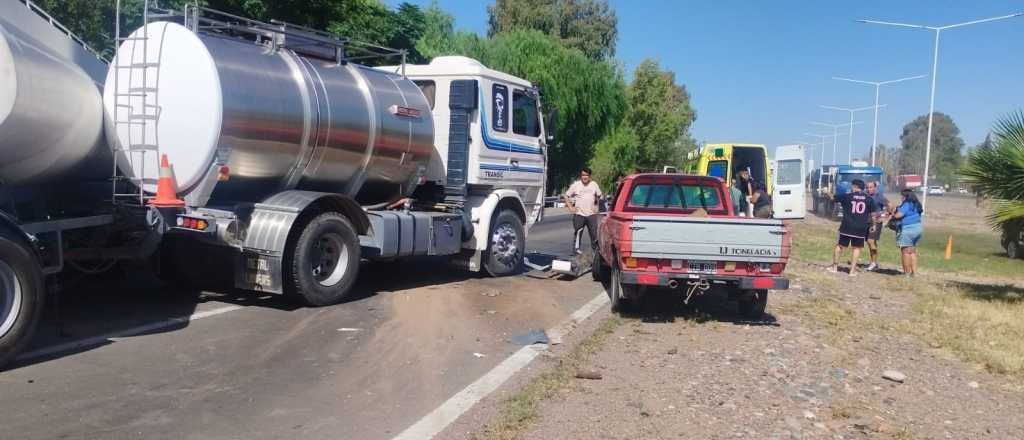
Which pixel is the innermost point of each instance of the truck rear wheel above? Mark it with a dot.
(621, 295)
(753, 303)
(504, 254)
(21, 297)
(324, 261)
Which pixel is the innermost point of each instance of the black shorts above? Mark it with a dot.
(875, 231)
(848, 241)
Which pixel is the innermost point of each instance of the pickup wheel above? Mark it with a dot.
(504, 254)
(753, 303)
(598, 269)
(1013, 250)
(324, 261)
(21, 297)
(619, 294)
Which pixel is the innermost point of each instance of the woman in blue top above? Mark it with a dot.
(909, 214)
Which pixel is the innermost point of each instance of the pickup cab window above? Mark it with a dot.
(674, 197)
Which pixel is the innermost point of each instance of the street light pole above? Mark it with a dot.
(935, 67)
(835, 137)
(878, 85)
(849, 147)
(821, 144)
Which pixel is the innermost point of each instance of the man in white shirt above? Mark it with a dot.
(582, 199)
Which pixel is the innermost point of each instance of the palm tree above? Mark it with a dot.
(998, 171)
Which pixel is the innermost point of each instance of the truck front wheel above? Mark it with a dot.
(21, 297)
(324, 261)
(753, 303)
(504, 254)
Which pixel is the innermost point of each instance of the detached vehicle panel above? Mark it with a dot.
(676, 231)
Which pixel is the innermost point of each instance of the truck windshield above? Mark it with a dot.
(676, 197)
(866, 177)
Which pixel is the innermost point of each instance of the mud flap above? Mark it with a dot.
(259, 271)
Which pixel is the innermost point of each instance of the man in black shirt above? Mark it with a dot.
(858, 209)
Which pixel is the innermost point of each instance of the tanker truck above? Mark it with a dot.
(292, 163)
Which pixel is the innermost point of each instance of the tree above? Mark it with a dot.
(997, 170)
(946, 158)
(615, 155)
(660, 115)
(588, 25)
(369, 21)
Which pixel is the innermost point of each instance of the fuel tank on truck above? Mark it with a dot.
(277, 120)
(51, 113)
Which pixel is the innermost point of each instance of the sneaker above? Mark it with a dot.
(872, 267)
(832, 269)
(853, 273)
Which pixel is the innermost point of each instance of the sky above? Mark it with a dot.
(758, 72)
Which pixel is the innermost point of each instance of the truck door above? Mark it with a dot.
(788, 196)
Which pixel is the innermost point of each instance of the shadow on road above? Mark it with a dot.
(666, 306)
(94, 311)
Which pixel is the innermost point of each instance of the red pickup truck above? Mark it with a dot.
(679, 232)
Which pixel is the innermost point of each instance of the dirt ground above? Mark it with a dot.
(836, 358)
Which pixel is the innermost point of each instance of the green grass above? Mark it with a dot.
(980, 322)
(973, 252)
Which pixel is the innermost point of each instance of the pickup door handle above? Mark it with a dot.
(636, 228)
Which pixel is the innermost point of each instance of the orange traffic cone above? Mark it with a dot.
(949, 248)
(166, 191)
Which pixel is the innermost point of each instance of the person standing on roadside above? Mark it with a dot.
(877, 222)
(857, 211)
(762, 201)
(745, 184)
(582, 199)
(911, 229)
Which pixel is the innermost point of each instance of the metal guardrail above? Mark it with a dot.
(53, 22)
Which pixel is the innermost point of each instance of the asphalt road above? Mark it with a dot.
(127, 362)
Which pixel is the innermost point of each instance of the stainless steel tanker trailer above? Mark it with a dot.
(294, 163)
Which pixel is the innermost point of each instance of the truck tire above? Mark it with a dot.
(753, 303)
(617, 292)
(323, 263)
(507, 242)
(598, 269)
(1013, 250)
(22, 295)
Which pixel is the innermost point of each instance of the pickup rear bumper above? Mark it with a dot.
(664, 280)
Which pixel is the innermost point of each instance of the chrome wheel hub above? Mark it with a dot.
(328, 259)
(504, 244)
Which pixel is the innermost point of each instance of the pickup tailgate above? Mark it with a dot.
(708, 238)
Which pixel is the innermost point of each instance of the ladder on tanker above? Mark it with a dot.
(136, 110)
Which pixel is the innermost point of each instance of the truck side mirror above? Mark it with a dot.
(550, 126)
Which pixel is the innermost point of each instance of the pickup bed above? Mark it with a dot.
(679, 232)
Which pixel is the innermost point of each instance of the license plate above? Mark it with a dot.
(703, 267)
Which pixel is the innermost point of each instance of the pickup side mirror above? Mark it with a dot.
(550, 126)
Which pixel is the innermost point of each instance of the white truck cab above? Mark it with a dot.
(490, 141)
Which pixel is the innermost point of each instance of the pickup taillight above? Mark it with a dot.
(777, 268)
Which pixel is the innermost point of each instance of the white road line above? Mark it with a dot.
(114, 336)
(442, 416)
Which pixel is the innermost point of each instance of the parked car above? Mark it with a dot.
(678, 233)
(936, 191)
(963, 191)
